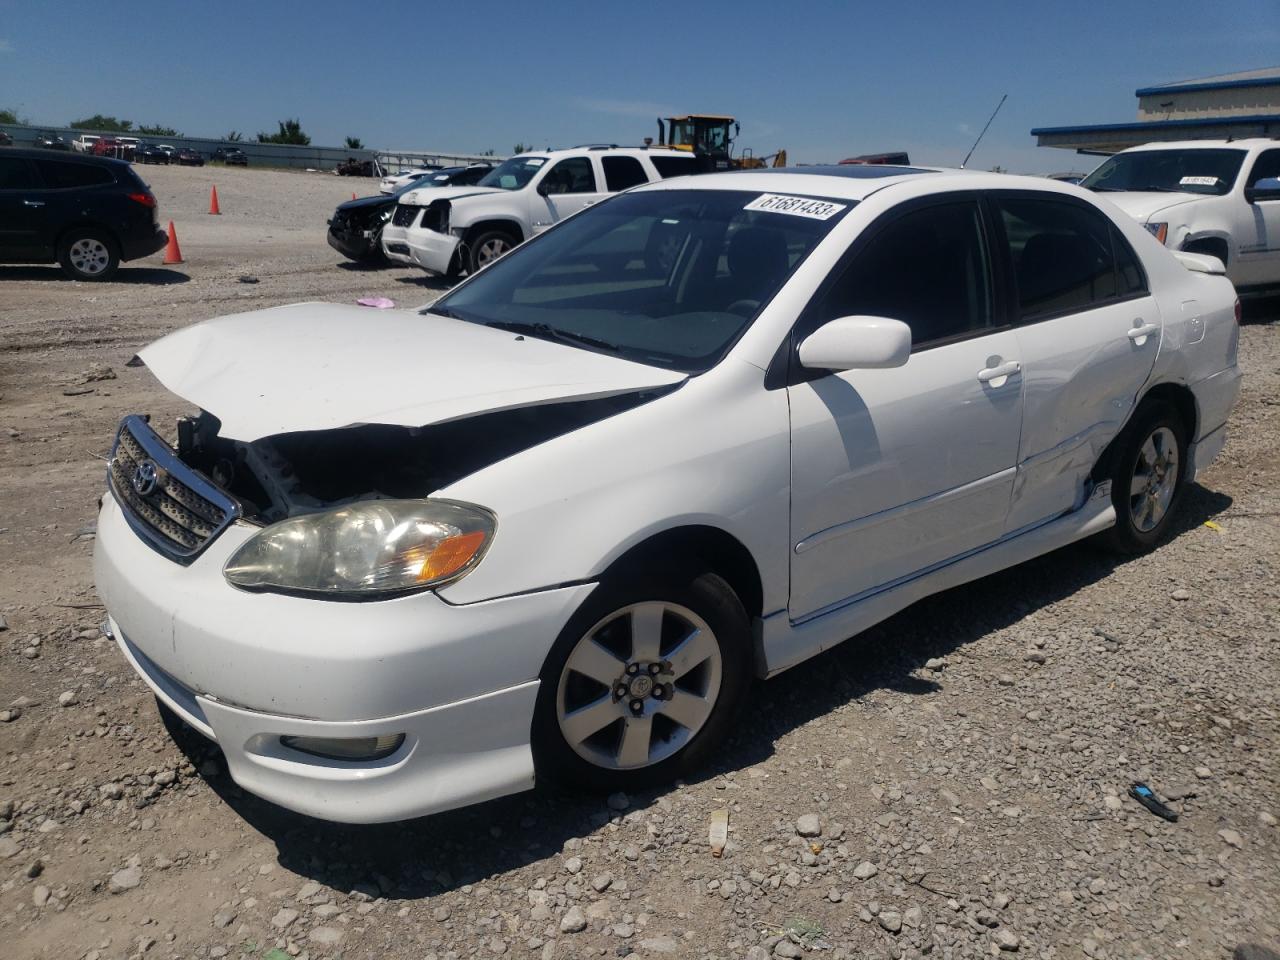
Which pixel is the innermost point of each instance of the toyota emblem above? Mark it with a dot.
(145, 477)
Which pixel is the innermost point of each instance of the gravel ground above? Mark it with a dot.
(950, 784)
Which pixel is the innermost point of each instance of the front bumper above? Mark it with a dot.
(432, 251)
(354, 245)
(395, 245)
(247, 668)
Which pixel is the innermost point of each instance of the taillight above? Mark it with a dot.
(146, 199)
(1239, 312)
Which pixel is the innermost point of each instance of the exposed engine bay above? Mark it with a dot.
(295, 473)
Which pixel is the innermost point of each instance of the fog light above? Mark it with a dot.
(344, 748)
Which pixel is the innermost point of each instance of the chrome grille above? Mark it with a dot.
(172, 507)
(405, 215)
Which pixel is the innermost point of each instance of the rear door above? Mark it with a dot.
(23, 211)
(1088, 331)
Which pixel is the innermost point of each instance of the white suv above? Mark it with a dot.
(461, 229)
(1218, 197)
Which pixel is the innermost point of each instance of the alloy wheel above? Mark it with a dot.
(491, 250)
(1155, 478)
(90, 256)
(639, 685)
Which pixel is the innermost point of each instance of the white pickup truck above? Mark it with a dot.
(1215, 197)
(451, 230)
(84, 143)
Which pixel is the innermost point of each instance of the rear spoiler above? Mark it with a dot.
(1200, 262)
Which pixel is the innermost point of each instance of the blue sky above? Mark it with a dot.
(826, 80)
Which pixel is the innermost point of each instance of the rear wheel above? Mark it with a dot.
(89, 255)
(487, 247)
(1146, 478)
(643, 683)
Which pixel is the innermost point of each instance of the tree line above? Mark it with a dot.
(289, 131)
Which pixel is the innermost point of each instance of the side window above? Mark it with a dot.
(1130, 278)
(1267, 165)
(928, 268)
(1061, 254)
(62, 174)
(17, 174)
(674, 166)
(572, 175)
(622, 172)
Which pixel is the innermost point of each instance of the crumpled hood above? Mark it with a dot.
(424, 195)
(321, 366)
(1143, 205)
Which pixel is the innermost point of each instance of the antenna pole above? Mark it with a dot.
(984, 131)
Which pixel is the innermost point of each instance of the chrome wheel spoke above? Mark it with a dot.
(646, 631)
(587, 721)
(594, 661)
(691, 652)
(637, 736)
(1149, 454)
(1139, 484)
(687, 709)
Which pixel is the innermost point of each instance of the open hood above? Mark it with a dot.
(320, 366)
(1142, 205)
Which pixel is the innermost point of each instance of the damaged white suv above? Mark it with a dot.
(457, 230)
(558, 521)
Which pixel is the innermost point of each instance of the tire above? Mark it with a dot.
(488, 246)
(1146, 478)
(588, 730)
(89, 255)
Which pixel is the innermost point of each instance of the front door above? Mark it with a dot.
(23, 210)
(1088, 331)
(1258, 243)
(896, 471)
(565, 189)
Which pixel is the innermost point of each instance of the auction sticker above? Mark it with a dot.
(1198, 182)
(795, 206)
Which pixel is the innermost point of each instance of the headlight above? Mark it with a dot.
(1158, 230)
(366, 550)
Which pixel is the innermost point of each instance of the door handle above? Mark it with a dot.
(33, 203)
(1006, 369)
(1142, 331)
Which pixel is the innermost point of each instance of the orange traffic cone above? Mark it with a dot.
(172, 253)
(353, 194)
(213, 201)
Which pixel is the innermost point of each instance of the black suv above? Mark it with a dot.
(86, 213)
(231, 156)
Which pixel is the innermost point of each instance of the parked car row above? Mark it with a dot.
(453, 222)
(133, 149)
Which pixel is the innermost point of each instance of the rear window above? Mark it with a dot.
(675, 166)
(64, 174)
(16, 174)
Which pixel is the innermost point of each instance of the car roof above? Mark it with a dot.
(607, 150)
(849, 182)
(1242, 144)
(62, 155)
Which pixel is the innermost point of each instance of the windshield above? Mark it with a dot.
(513, 174)
(669, 278)
(1178, 171)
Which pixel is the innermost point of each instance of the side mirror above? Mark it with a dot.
(1268, 188)
(857, 343)
(544, 187)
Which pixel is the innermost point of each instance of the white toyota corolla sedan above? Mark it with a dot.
(558, 522)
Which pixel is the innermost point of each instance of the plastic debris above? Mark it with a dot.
(806, 933)
(248, 278)
(1146, 796)
(382, 303)
(1212, 526)
(719, 833)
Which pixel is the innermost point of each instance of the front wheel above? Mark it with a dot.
(1146, 479)
(488, 247)
(643, 683)
(89, 255)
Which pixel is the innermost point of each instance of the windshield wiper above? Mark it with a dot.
(548, 332)
(1107, 189)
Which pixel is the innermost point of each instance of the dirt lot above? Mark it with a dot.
(965, 762)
